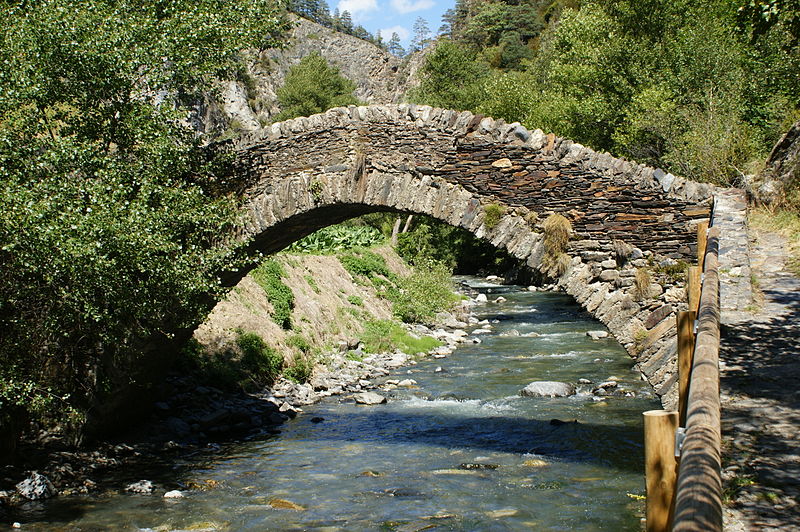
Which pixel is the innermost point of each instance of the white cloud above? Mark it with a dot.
(401, 32)
(409, 6)
(358, 7)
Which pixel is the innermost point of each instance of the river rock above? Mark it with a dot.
(174, 494)
(36, 487)
(143, 486)
(548, 389)
(283, 504)
(407, 382)
(369, 398)
(500, 299)
(607, 384)
(481, 298)
(596, 335)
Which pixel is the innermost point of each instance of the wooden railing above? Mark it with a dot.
(698, 503)
(684, 488)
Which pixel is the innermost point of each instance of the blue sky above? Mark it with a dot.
(389, 16)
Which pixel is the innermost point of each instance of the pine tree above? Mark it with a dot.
(394, 47)
(346, 22)
(422, 35)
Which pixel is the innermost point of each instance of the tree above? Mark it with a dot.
(346, 22)
(394, 47)
(112, 216)
(313, 86)
(451, 78)
(422, 35)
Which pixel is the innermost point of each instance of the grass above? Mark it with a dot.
(785, 222)
(557, 232)
(639, 337)
(385, 335)
(268, 276)
(641, 284)
(493, 213)
(312, 283)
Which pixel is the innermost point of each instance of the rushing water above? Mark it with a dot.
(405, 465)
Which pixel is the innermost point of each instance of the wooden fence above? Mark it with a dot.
(684, 487)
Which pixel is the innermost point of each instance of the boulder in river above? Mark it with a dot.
(369, 398)
(548, 389)
(36, 487)
(596, 335)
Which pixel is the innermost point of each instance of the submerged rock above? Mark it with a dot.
(143, 486)
(548, 389)
(283, 504)
(36, 487)
(369, 398)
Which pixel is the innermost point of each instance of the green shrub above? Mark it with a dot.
(355, 300)
(268, 275)
(432, 240)
(300, 370)
(493, 213)
(313, 86)
(386, 335)
(299, 342)
(425, 292)
(336, 238)
(258, 359)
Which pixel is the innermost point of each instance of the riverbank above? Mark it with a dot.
(192, 416)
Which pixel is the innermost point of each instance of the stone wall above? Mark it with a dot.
(307, 173)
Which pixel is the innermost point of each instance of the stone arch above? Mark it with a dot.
(307, 173)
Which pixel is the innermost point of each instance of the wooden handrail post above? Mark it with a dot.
(693, 287)
(661, 469)
(685, 327)
(702, 242)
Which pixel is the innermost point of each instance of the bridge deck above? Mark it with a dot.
(760, 371)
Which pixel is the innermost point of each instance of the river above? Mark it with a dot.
(461, 450)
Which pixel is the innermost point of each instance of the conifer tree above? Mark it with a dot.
(394, 47)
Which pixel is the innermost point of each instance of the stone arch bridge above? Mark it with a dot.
(304, 174)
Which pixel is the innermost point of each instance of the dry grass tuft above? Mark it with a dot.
(557, 232)
(641, 284)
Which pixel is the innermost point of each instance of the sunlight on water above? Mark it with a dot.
(460, 451)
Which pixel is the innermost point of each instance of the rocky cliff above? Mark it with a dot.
(781, 175)
(251, 101)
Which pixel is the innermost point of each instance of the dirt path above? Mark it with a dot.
(760, 382)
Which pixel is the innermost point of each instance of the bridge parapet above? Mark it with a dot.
(605, 198)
